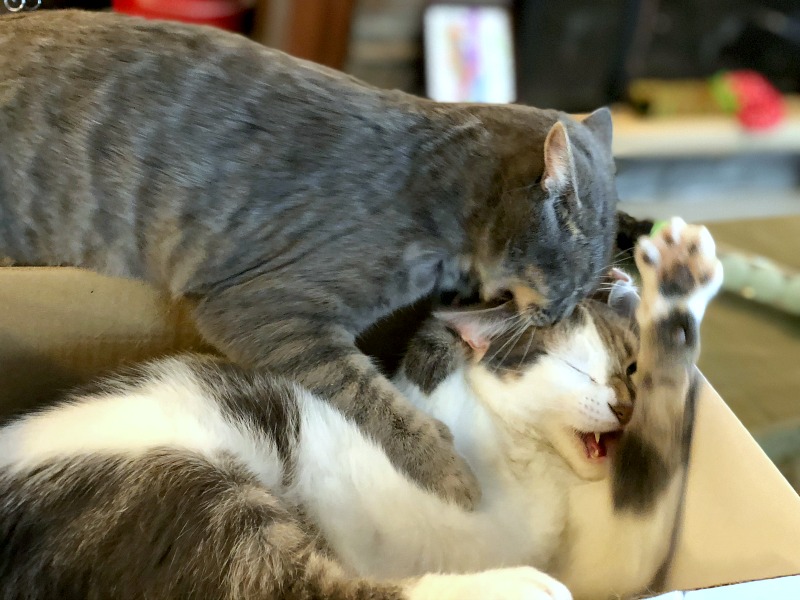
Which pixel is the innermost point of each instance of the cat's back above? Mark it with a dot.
(145, 486)
(96, 46)
(120, 132)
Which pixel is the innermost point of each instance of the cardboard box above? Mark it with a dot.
(59, 326)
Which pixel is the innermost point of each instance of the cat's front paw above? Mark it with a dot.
(520, 583)
(679, 269)
(436, 465)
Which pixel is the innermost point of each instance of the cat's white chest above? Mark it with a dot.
(524, 486)
(528, 500)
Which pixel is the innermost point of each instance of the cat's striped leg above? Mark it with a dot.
(306, 345)
(680, 274)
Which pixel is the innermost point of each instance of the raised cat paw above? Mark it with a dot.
(679, 270)
(521, 583)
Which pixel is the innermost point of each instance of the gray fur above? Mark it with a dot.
(432, 355)
(436, 351)
(295, 205)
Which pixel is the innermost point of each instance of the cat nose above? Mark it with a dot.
(623, 411)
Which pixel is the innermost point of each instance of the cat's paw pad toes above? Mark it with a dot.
(678, 264)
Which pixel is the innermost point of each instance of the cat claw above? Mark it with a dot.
(679, 268)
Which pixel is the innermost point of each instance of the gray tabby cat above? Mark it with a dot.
(293, 204)
(196, 479)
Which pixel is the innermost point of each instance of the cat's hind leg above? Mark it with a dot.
(166, 524)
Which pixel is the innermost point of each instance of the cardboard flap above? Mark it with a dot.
(741, 518)
(61, 326)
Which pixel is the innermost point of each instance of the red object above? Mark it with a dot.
(760, 104)
(226, 14)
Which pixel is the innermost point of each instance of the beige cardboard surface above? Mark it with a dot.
(61, 326)
(742, 519)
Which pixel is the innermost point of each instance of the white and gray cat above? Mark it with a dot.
(193, 478)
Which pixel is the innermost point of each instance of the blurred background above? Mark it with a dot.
(706, 103)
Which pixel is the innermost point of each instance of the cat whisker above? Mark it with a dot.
(501, 348)
(517, 332)
(525, 354)
(582, 372)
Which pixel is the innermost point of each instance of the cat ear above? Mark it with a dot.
(479, 326)
(601, 125)
(623, 298)
(559, 168)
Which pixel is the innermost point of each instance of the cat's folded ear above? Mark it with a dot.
(478, 327)
(601, 125)
(559, 166)
(623, 297)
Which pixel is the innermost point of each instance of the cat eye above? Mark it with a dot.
(631, 369)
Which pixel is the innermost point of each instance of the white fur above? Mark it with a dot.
(521, 583)
(566, 390)
(377, 520)
(172, 410)
(611, 551)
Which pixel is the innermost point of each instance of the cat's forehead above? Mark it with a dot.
(517, 351)
(616, 332)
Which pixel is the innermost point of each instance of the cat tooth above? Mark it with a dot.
(597, 437)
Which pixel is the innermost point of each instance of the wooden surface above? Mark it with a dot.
(316, 30)
(680, 136)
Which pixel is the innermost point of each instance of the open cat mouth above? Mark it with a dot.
(598, 445)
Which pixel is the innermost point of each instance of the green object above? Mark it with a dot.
(791, 295)
(736, 270)
(722, 92)
(767, 283)
(658, 226)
